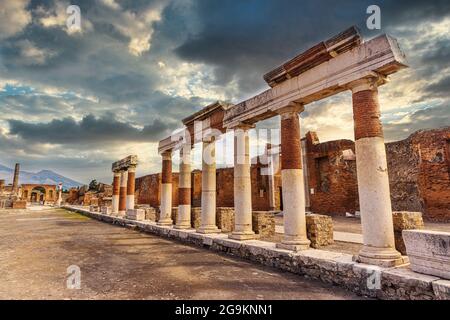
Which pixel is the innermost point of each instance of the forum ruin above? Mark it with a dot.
(177, 207)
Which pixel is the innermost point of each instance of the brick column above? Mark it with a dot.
(116, 193)
(184, 190)
(294, 217)
(242, 185)
(208, 215)
(123, 193)
(373, 181)
(166, 190)
(15, 185)
(131, 187)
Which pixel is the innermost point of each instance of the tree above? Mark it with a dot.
(93, 185)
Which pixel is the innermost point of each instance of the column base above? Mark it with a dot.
(182, 226)
(121, 214)
(294, 245)
(165, 222)
(243, 235)
(208, 229)
(382, 257)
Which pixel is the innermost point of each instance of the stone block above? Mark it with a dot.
(106, 210)
(93, 208)
(428, 252)
(150, 214)
(196, 213)
(405, 220)
(442, 289)
(136, 214)
(174, 214)
(225, 219)
(19, 204)
(319, 230)
(263, 223)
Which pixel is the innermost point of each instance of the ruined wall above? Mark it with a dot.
(332, 176)
(148, 190)
(419, 173)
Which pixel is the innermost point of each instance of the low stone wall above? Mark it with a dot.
(263, 223)
(330, 267)
(225, 219)
(405, 220)
(319, 230)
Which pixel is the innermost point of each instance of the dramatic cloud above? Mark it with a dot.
(77, 101)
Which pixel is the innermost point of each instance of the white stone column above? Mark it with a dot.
(208, 215)
(123, 193)
(131, 187)
(184, 189)
(165, 216)
(294, 216)
(373, 180)
(59, 200)
(116, 193)
(242, 185)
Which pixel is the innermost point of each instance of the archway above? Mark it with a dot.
(38, 194)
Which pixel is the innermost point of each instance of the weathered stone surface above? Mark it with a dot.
(405, 220)
(136, 214)
(106, 210)
(319, 229)
(174, 214)
(329, 267)
(196, 213)
(263, 223)
(19, 204)
(225, 219)
(442, 289)
(429, 252)
(403, 283)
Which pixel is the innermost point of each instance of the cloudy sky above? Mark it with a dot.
(75, 101)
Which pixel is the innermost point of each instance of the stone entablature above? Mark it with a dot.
(377, 58)
(125, 163)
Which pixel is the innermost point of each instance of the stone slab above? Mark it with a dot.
(136, 214)
(429, 252)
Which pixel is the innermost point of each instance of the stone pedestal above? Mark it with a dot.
(208, 213)
(166, 190)
(242, 186)
(405, 220)
(106, 210)
(428, 252)
(373, 181)
(136, 214)
(19, 204)
(292, 181)
(263, 223)
(93, 208)
(320, 230)
(225, 219)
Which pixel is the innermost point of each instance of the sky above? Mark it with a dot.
(74, 101)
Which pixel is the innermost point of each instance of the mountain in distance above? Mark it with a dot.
(41, 177)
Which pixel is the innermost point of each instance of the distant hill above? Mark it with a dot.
(41, 177)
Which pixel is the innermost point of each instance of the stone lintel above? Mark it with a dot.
(124, 164)
(380, 56)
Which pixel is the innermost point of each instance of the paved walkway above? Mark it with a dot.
(37, 247)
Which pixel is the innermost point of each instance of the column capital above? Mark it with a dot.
(132, 168)
(290, 109)
(244, 126)
(370, 83)
(117, 173)
(167, 155)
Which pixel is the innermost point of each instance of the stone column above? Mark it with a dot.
(131, 187)
(15, 185)
(59, 199)
(294, 217)
(116, 193)
(123, 193)
(208, 215)
(2, 186)
(166, 190)
(373, 180)
(184, 190)
(242, 185)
